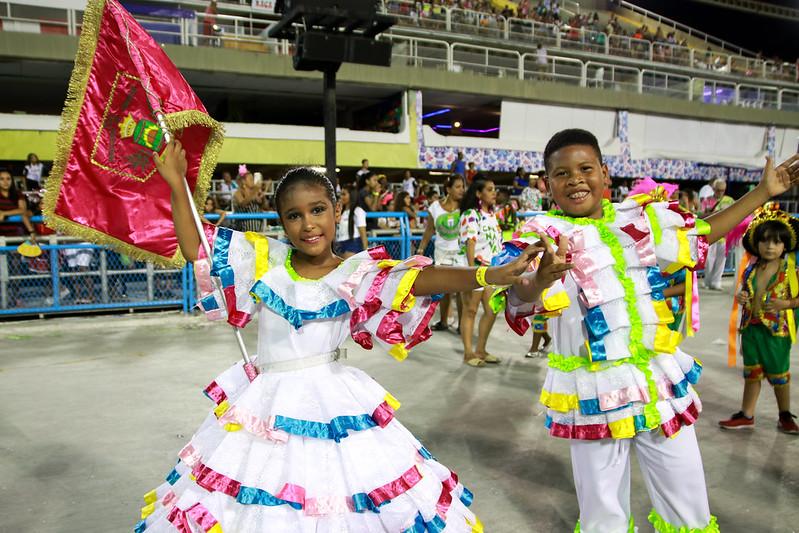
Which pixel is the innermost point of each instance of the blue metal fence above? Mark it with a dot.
(72, 276)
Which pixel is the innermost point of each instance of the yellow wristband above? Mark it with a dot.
(480, 276)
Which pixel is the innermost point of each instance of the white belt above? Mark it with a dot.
(304, 362)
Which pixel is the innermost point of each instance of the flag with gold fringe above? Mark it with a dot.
(104, 186)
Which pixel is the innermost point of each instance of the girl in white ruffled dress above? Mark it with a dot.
(307, 444)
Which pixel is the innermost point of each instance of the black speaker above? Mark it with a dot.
(369, 52)
(315, 48)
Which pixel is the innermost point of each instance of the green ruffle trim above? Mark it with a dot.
(661, 526)
(641, 355)
(657, 232)
(630, 527)
(701, 227)
(570, 363)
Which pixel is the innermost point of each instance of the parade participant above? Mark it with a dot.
(443, 220)
(768, 297)
(616, 376)
(480, 239)
(308, 444)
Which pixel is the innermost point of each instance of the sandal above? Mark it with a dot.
(475, 362)
(492, 359)
(532, 354)
(439, 326)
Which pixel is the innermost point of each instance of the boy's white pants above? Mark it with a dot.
(714, 264)
(672, 470)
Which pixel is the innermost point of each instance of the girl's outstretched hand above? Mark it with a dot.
(512, 272)
(172, 164)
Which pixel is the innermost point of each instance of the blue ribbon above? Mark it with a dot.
(140, 527)
(509, 253)
(295, 317)
(467, 497)
(173, 477)
(220, 266)
(209, 303)
(656, 280)
(595, 323)
(591, 407)
(426, 454)
(597, 350)
(336, 430)
(361, 502)
(254, 496)
(693, 375)
(436, 525)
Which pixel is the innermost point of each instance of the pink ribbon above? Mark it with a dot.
(402, 484)
(257, 426)
(390, 330)
(383, 414)
(422, 331)
(215, 392)
(177, 517)
(619, 397)
(694, 301)
(251, 371)
(190, 456)
(212, 480)
(292, 493)
(169, 498)
(201, 516)
(328, 505)
(445, 499)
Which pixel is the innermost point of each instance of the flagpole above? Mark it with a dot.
(249, 368)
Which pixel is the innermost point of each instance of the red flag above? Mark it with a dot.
(104, 186)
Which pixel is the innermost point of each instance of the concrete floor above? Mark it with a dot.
(95, 409)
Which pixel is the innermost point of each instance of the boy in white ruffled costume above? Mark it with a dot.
(616, 376)
(307, 444)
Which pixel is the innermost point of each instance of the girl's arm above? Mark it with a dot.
(20, 210)
(429, 228)
(364, 238)
(172, 167)
(222, 214)
(444, 279)
(774, 182)
(470, 244)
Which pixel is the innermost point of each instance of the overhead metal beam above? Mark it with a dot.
(756, 7)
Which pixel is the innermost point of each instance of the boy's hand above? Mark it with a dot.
(513, 271)
(778, 180)
(743, 298)
(172, 164)
(553, 264)
(776, 305)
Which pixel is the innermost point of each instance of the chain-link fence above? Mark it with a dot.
(74, 276)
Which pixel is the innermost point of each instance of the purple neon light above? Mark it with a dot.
(466, 130)
(435, 113)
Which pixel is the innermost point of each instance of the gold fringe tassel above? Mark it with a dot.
(76, 94)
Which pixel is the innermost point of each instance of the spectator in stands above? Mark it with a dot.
(386, 194)
(351, 230)
(34, 173)
(212, 209)
(706, 197)
(717, 252)
(432, 196)
(369, 196)
(470, 172)
(209, 24)
(363, 170)
(409, 184)
(541, 61)
(689, 201)
(531, 198)
(79, 262)
(248, 198)
(12, 203)
(458, 166)
(624, 190)
(520, 181)
(226, 190)
(403, 204)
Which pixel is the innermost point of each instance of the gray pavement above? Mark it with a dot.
(94, 411)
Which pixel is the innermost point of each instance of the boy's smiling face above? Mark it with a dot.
(576, 179)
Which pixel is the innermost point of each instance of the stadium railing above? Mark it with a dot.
(509, 37)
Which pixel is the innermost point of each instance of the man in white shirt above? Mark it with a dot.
(364, 168)
(409, 184)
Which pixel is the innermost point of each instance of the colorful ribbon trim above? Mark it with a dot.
(261, 292)
(224, 271)
(261, 245)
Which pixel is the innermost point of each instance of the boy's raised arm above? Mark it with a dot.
(774, 182)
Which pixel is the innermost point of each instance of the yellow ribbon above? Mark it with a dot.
(403, 300)
(559, 401)
(793, 287)
(732, 329)
(261, 245)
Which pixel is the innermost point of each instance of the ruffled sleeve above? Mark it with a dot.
(380, 293)
(679, 237)
(238, 259)
(469, 226)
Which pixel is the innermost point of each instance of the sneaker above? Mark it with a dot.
(532, 354)
(786, 423)
(738, 421)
